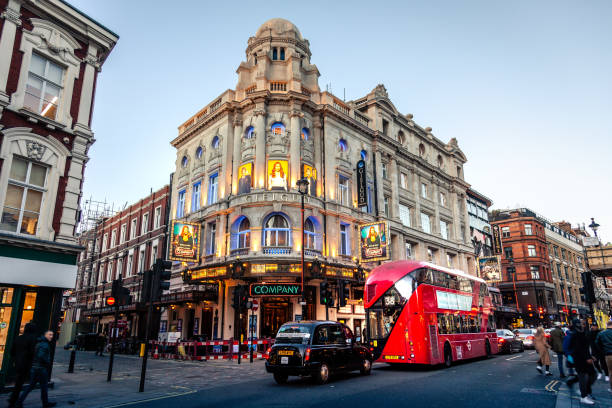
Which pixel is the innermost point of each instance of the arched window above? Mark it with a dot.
(274, 53)
(276, 231)
(241, 234)
(215, 142)
(342, 145)
(199, 152)
(305, 134)
(401, 137)
(184, 161)
(249, 133)
(278, 128)
(364, 155)
(421, 150)
(310, 235)
(282, 54)
(440, 161)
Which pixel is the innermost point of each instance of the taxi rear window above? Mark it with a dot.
(293, 334)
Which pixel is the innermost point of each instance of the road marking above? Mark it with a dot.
(532, 352)
(551, 386)
(512, 358)
(173, 395)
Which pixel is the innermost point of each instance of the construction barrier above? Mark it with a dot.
(210, 350)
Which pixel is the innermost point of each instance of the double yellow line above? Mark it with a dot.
(551, 385)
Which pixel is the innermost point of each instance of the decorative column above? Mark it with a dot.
(294, 148)
(92, 65)
(379, 184)
(395, 185)
(436, 199)
(260, 149)
(11, 16)
(417, 198)
(238, 135)
(318, 153)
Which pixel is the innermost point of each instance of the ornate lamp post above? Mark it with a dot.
(594, 226)
(302, 185)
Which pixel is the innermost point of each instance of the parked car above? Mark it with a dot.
(527, 336)
(508, 342)
(87, 341)
(318, 349)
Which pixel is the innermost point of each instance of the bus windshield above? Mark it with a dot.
(386, 310)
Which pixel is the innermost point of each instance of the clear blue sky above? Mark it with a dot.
(525, 86)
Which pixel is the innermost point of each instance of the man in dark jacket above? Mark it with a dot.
(582, 360)
(556, 343)
(22, 353)
(599, 362)
(41, 365)
(604, 342)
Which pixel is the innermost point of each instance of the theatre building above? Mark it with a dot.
(379, 187)
(50, 57)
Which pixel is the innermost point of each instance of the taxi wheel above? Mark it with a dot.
(522, 347)
(366, 367)
(280, 378)
(322, 375)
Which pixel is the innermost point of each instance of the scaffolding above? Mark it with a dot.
(93, 212)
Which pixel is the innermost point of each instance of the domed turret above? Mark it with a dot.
(279, 27)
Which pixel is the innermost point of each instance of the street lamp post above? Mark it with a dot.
(595, 226)
(302, 185)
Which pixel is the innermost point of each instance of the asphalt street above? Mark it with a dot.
(501, 381)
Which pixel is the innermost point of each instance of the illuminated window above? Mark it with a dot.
(310, 234)
(278, 128)
(305, 134)
(364, 155)
(199, 152)
(44, 87)
(211, 246)
(342, 145)
(241, 234)
(249, 133)
(213, 187)
(276, 231)
(184, 161)
(215, 142)
(157, 220)
(343, 190)
(24, 196)
(345, 247)
(195, 196)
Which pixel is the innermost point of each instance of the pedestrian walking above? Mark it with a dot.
(556, 344)
(599, 361)
(582, 360)
(604, 342)
(39, 374)
(100, 344)
(542, 346)
(23, 354)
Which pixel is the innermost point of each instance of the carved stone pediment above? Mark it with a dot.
(278, 143)
(247, 147)
(307, 149)
(35, 150)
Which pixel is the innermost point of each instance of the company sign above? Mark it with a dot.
(362, 189)
(373, 240)
(497, 242)
(185, 241)
(275, 289)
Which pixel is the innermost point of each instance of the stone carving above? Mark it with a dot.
(247, 146)
(307, 148)
(278, 142)
(380, 91)
(53, 41)
(93, 61)
(35, 150)
(12, 16)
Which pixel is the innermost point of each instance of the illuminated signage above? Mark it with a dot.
(374, 243)
(362, 193)
(278, 171)
(490, 269)
(275, 289)
(185, 242)
(497, 241)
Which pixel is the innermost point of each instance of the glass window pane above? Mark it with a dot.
(52, 93)
(29, 222)
(10, 218)
(55, 73)
(33, 200)
(37, 175)
(37, 64)
(5, 317)
(6, 295)
(14, 195)
(19, 169)
(34, 86)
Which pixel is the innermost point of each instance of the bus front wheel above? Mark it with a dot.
(448, 356)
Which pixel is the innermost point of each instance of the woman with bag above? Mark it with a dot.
(542, 346)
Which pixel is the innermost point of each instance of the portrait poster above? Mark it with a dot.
(373, 241)
(310, 174)
(245, 178)
(278, 174)
(185, 241)
(490, 269)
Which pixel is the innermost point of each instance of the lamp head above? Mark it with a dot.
(302, 185)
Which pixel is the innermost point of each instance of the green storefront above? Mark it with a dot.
(33, 276)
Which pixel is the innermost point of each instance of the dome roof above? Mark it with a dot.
(279, 28)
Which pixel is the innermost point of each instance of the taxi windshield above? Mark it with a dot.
(293, 334)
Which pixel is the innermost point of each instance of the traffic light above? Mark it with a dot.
(236, 269)
(343, 293)
(120, 296)
(587, 291)
(315, 269)
(160, 279)
(240, 297)
(325, 296)
(529, 308)
(360, 274)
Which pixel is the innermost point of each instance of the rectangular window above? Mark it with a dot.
(213, 185)
(424, 190)
(145, 223)
(535, 272)
(430, 255)
(556, 251)
(450, 260)
(113, 238)
(425, 223)
(134, 229)
(24, 197)
(153, 255)
(528, 230)
(130, 262)
(404, 181)
(404, 214)
(531, 250)
(211, 247)
(563, 254)
(408, 250)
(505, 232)
(344, 240)
(157, 221)
(443, 199)
(141, 260)
(104, 241)
(119, 267)
(180, 204)
(444, 229)
(343, 190)
(195, 197)
(387, 209)
(123, 235)
(44, 87)
(508, 252)
(384, 171)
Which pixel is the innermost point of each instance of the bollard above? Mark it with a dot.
(72, 357)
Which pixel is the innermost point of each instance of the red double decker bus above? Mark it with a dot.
(418, 312)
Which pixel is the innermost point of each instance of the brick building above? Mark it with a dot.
(125, 244)
(526, 276)
(50, 57)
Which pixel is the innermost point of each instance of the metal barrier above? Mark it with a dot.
(210, 350)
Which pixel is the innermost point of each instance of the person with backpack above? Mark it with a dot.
(556, 343)
(580, 356)
(600, 361)
(604, 342)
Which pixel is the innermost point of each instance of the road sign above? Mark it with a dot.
(110, 300)
(255, 305)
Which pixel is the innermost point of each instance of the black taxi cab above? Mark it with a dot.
(318, 349)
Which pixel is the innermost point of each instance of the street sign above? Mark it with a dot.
(110, 300)
(255, 305)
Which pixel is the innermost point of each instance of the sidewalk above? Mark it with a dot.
(569, 399)
(87, 386)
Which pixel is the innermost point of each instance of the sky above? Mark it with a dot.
(524, 86)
